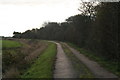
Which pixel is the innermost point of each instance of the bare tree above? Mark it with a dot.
(88, 8)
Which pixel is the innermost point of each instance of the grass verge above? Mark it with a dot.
(44, 65)
(107, 64)
(17, 60)
(81, 70)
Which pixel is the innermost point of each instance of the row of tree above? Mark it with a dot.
(96, 29)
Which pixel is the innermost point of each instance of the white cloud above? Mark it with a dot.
(19, 17)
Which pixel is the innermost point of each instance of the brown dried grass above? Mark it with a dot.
(31, 51)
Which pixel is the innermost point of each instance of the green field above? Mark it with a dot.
(10, 44)
(44, 65)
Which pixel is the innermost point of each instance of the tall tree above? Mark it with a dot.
(87, 8)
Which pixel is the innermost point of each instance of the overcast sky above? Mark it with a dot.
(21, 15)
